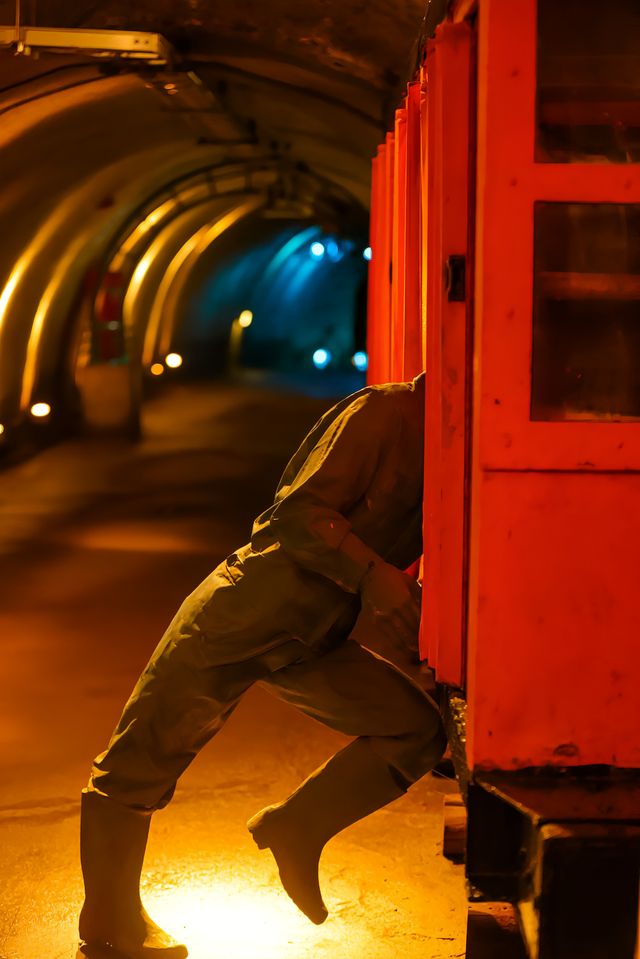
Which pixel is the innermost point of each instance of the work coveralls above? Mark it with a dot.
(280, 611)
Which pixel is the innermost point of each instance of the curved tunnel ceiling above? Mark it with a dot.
(82, 160)
(359, 40)
(92, 160)
(272, 107)
(316, 80)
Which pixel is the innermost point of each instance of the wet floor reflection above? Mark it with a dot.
(233, 915)
(80, 611)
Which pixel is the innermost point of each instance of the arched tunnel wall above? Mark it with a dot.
(119, 214)
(81, 158)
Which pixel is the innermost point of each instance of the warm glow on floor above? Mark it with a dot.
(231, 918)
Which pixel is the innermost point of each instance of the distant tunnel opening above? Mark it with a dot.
(304, 287)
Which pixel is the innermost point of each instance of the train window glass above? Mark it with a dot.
(586, 312)
(588, 96)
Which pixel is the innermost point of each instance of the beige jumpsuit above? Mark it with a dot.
(280, 610)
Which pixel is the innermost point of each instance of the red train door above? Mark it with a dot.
(446, 107)
(553, 665)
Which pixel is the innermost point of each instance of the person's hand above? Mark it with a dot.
(393, 599)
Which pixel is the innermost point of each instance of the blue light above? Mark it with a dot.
(321, 358)
(317, 249)
(360, 360)
(333, 251)
(367, 253)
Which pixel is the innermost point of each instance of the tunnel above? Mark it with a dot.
(319, 479)
(184, 259)
(151, 174)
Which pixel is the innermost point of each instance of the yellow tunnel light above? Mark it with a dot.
(173, 360)
(40, 410)
(1, 428)
(246, 318)
(157, 369)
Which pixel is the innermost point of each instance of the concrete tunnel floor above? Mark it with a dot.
(100, 543)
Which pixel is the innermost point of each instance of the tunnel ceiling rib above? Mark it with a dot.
(69, 242)
(152, 261)
(303, 90)
(347, 58)
(357, 99)
(158, 265)
(18, 101)
(108, 144)
(164, 314)
(200, 186)
(334, 139)
(300, 300)
(288, 249)
(157, 258)
(369, 41)
(80, 131)
(148, 228)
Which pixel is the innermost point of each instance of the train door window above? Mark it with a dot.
(586, 327)
(588, 81)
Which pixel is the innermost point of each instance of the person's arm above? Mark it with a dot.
(310, 522)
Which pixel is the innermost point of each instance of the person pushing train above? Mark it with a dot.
(345, 523)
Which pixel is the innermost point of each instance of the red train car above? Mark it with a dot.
(505, 233)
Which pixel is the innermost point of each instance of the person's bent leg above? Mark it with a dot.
(179, 703)
(400, 738)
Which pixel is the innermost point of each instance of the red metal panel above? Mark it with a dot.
(374, 285)
(555, 672)
(379, 302)
(384, 367)
(447, 143)
(412, 357)
(108, 333)
(552, 673)
(431, 191)
(398, 265)
(424, 209)
(428, 642)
